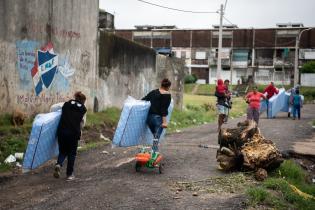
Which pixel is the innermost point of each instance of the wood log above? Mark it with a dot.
(245, 147)
(237, 137)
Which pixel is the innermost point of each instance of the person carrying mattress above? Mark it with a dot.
(69, 133)
(271, 90)
(160, 100)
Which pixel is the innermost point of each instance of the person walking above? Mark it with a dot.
(160, 100)
(297, 104)
(253, 100)
(222, 108)
(292, 92)
(69, 133)
(228, 99)
(271, 90)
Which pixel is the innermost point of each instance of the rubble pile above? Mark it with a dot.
(245, 148)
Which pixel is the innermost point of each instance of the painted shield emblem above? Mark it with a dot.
(45, 68)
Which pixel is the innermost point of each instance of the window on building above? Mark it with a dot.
(183, 54)
(200, 55)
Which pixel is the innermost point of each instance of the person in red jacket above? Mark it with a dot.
(271, 90)
(253, 100)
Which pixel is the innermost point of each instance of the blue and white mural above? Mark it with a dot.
(43, 69)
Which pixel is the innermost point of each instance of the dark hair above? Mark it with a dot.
(297, 91)
(166, 83)
(226, 81)
(79, 96)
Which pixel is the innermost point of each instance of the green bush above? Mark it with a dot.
(191, 78)
(308, 67)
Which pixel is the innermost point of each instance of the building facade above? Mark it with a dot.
(265, 54)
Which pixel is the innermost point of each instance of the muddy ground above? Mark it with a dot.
(109, 181)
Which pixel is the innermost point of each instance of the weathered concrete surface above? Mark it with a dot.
(127, 68)
(26, 27)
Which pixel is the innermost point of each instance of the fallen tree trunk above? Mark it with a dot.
(245, 148)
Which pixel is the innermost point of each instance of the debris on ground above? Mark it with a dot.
(10, 159)
(105, 152)
(104, 138)
(245, 148)
(19, 155)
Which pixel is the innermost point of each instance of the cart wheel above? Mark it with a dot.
(138, 167)
(160, 168)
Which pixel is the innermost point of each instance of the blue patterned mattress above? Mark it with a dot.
(132, 129)
(42, 145)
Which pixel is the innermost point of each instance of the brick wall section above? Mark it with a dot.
(201, 38)
(181, 38)
(243, 38)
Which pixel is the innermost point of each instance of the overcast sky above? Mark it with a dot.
(244, 13)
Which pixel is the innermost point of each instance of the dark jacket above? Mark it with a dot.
(71, 117)
(159, 102)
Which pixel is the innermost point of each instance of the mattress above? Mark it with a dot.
(132, 129)
(277, 103)
(42, 145)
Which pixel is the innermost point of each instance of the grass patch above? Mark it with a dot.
(280, 193)
(109, 116)
(257, 195)
(232, 183)
(200, 109)
(92, 145)
(188, 88)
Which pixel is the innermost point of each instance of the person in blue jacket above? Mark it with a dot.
(297, 104)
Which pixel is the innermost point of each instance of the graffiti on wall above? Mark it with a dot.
(43, 29)
(43, 69)
(25, 61)
(31, 99)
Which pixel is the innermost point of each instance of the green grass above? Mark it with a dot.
(188, 88)
(109, 116)
(92, 145)
(277, 193)
(200, 109)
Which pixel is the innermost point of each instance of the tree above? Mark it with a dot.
(308, 67)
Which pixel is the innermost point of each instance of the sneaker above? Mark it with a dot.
(70, 178)
(57, 171)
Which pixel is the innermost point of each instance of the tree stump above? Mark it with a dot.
(245, 148)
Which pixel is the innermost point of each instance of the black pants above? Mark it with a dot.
(68, 145)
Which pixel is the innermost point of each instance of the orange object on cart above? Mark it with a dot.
(143, 158)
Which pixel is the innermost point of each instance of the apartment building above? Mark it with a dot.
(266, 54)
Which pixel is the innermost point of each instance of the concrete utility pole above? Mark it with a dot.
(296, 58)
(219, 67)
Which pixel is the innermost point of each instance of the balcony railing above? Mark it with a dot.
(264, 62)
(199, 62)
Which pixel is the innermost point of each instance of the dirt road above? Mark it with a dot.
(109, 181)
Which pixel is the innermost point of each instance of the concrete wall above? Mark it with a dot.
(174, 69)
(308, 79)
(127, 68)
(53, 37)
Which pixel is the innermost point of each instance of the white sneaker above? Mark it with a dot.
(57, 171)
(70, 178)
